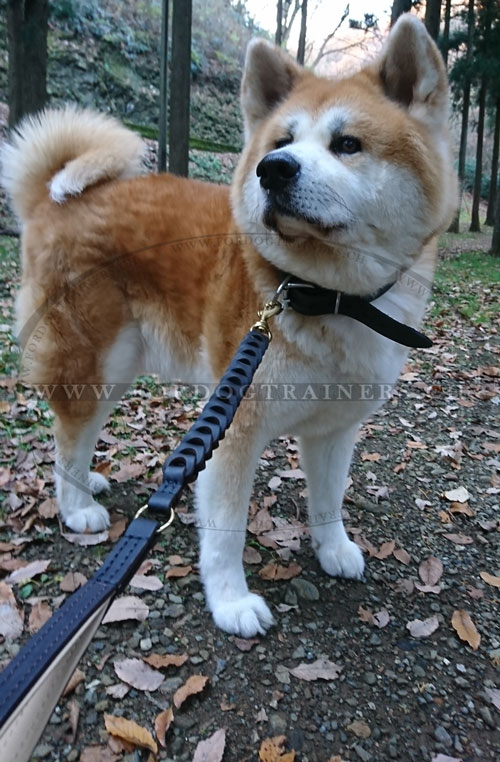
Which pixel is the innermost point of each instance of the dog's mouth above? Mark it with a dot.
(291, 224)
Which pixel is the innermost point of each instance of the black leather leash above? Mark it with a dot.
(32, 683)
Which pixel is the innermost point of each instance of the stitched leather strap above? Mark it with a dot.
(32, 661)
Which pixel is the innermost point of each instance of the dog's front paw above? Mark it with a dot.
(342, 560)
(94, 518)
(247, 616)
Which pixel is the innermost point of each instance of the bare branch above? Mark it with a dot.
(321, 52)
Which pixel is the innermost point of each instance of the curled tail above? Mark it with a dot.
(60, 152)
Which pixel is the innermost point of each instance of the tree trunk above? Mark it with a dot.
(180, 82)
(279, 23)
(475, 227)
(495, 240)
(433, 17)
(455, 225)
(490, 214)
(302, 37)
(163, 123)
(399, 7)
(446, 32)
(27, 25)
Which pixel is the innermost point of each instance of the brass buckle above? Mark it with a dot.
(163, 526)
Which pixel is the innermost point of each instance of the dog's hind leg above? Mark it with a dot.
(81, 411)
(326, 462)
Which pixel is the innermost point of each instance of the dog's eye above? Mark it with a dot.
(283, 142)
(345, 144)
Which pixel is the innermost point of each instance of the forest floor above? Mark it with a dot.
(402, 666)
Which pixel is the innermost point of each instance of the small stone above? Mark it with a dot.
(305, 589)
(485, 713)
(278, 723)
(370, 678)
(145, 644)
(442, 735)
(364, 755)
(184, 721)
(42, 750)
(375, 640)
(299, 653)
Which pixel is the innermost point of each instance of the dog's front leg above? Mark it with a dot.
(326, 461)
(223, 494)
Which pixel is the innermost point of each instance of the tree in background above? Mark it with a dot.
(399, 7)
(490, 214)
(301, 51)
(445, 39)
(433, 17)
(27, 24)
(495, 241)
(180, 82)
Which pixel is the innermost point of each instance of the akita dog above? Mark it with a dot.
(343, 184)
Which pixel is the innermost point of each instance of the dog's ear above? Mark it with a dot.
(268, 77)
(413, 72)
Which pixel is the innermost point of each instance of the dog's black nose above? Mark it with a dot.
(276, 170)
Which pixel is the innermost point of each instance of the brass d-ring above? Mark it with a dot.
(162, 527)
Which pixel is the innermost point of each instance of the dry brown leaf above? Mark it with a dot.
(139, 675)
(402, 555)
(271, 750)
(430, 571)
(116, 529)
(360, 729)
(98, 754)
(251, 555)
(162, 724)
(381, 618)
(146, 582)
(372, 457)
(321, 669)
(118, 691)
(458, 538)
(490, 579)
(422, 628)
(194, 684)
(174, 561)
(366, 615)
(127, 607)
(76, 678)
(465, 628)
(212, 748)
(128, 471)
(130, 731)
(179, 571)
(27, 572)
(161, 661)
(48, 509)
(261, 522)
(277, 571)
(245, 644)
(39, 614)
(385, 550)
(11, 618)
(72, 581)
(74, 714)
(463, 508)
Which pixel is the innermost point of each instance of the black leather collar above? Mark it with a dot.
(309, 299)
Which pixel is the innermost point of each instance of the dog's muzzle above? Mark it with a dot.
(277, 170)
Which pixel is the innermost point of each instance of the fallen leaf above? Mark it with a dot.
(261, 522)
(128, 471)
(11, 619)
(39, 614)
(321, 669)
(463, 508)
(494, 695)
(162, 724)
(458, 495)
(277, 571)
(174, 561)
(385, 550)
(401, 555)
(116, 529)
(366, 615)
(76, 678)
(458, 538)
(161, 661)
(381, 618)
(271, 750)
(372, 457)
(72, 581)
(360, 729)
(49, 508)
(465, 628)
(212, 748)
(422, 628)
(146, 582)
(130, 731)
(422, 504)
(127, 607)
(430, 571)
(27, 572)
(292, 473)
(85, 539)
(490, 579)
(179, 571)
(194, 684)
(139, 675)
(118, 691)
(251, 555)
(475, 593)
(98, 754)
(245, 644)
(74, 714)
(445, 758)
(261, 716)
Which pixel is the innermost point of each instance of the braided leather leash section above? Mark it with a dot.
(197, 446)
(31, 662)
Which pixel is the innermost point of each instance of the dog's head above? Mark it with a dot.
(342, 181)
